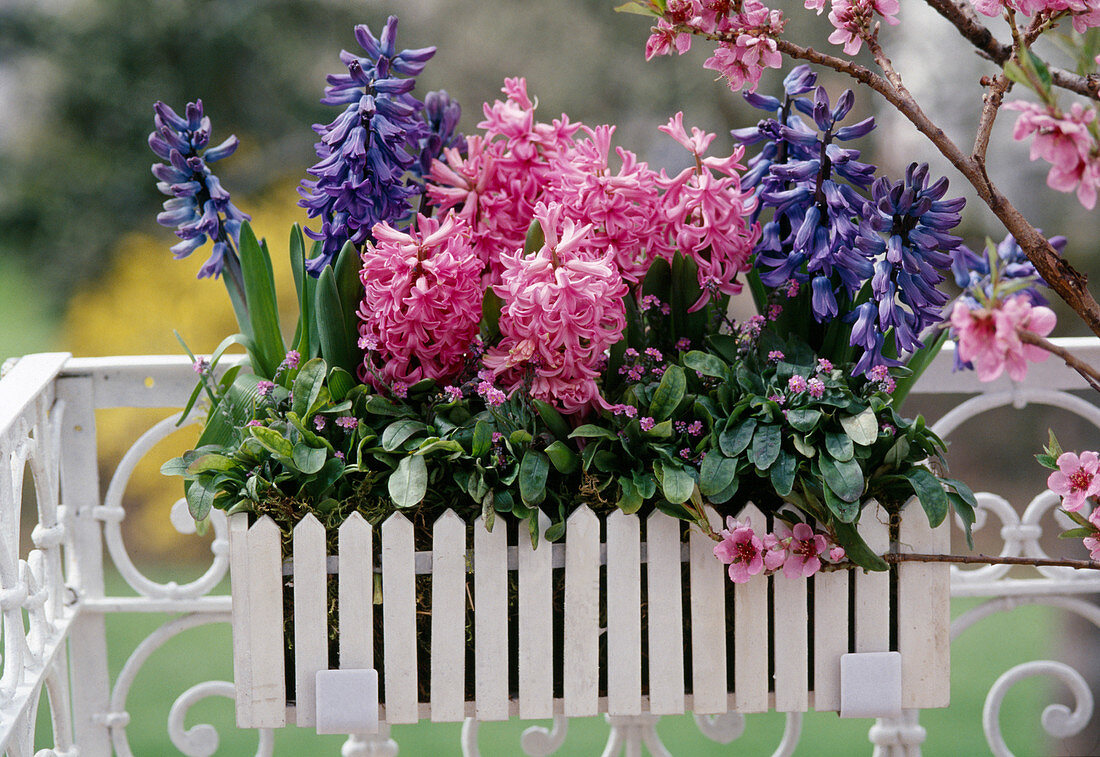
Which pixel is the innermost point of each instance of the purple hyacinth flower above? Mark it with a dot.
(199, 208)
(366, 152)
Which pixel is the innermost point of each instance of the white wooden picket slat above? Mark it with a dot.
(665, 616)
(581, 653)
(624, 620)
(924, 614)
(310, 616)
(830, 637)
(356, 594)
(791, 644)
(708, 623)
(242, 632)
(872, 600)
(750, 632)
(491, 658)
(399, 619)
(448, 673)
(265, 604)
(536, 631)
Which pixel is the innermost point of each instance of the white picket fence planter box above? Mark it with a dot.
(797, 669)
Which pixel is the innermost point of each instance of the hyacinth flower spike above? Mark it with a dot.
(199, 208)
(365, 153)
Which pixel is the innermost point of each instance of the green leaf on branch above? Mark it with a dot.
(399, 432)
(200, 497)
(706, 364)
(552, 418)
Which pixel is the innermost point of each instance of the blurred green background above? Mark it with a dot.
(84, 268)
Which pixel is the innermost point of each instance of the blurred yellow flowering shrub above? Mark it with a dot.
(132, 310)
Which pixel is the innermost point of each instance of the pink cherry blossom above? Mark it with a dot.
(1085, 14)
(854, 20)
(421, 301)
(804, 550)
(987, 337)
(775, 552)
(1076, 479)
(741, 549)
(1064, 141)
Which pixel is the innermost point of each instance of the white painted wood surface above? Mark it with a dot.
(310, 616)
(664, 594)
(708, 622)
(492, 660)
(355, 593)
(581, 633)
(624, 620)
(872, 600)
(830, 636)
(750, 633)
(924, 613)
(399, 620)
(242, 631)
(448, 664)
(265, 610)
(791, 643)
(536, 634)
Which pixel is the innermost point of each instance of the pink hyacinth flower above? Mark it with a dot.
(560, 312)
(421, 301)
(740, 549)
(1076, 479)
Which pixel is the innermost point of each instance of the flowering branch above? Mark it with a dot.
(969, 25)
(1070, 284)
(987, 560)
(1090, 374)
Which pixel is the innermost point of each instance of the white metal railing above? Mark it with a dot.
(53, 602)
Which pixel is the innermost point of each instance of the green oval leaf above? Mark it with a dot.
(716, 473)
(862, 428)
(706, 364)
(734, 441)
(669, 393)
(552, 418)
(272, 440)
(804, 418)
(930, 492)
(564, 459)
(843, 477)
(399, 432)
(766, 443)
(308, 459)
(592, 431)
(676, 483)
(839, 446)
(483, 439)
(533, 470)
(630, 499)
(409, 481)
(307, 386)
(782, 473)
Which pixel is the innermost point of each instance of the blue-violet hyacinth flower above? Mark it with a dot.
(972, 269)
(366, 152)
(199, 208)
(906, 231)
(441, 114)
(812, 185)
